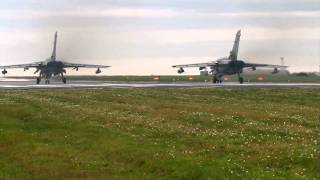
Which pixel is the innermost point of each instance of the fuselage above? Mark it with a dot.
(228, 67)
(52, 68)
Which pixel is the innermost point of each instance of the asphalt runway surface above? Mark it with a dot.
(24, 84)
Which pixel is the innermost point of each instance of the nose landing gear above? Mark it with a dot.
(217, 78)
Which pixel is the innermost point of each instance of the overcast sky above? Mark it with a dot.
(148, 36)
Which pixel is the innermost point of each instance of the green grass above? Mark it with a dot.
(160, 134)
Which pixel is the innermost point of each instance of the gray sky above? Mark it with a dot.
(148, 36)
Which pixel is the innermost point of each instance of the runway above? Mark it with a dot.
(24, 84)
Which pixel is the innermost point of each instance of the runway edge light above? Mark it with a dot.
(156, 78)
(261, 78)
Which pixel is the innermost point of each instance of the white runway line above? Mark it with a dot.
(14, 80)
(78, 84)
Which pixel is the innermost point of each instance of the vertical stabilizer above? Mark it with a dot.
(234, 53)
(53, 57)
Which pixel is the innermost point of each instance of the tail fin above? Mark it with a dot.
(53, 57)
(234, 53)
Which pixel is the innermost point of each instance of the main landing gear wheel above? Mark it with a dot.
(38, 80)
(216, 80)
(241, 80)
(64, 80)
(47, 81)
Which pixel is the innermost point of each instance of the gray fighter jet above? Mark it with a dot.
(52, 66)
(228, 65)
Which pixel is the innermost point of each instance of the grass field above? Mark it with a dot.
(160, 134)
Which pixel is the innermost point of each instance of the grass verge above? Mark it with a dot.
(160, 133)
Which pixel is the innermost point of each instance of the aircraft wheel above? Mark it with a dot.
(215, 80)
(64, 80)
(38, 80)
(241, 80)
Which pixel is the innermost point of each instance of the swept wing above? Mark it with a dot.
(254, 65)
(76, 65)
(209, 64)
(29, 65)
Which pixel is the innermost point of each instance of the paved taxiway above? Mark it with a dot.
(30, 84)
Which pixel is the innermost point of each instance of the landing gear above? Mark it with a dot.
(216, 80)
(38, 80)
(47, 81)
(241, 80)
(64, 80)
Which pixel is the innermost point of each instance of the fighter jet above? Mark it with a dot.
(52, 66)
(228, 65)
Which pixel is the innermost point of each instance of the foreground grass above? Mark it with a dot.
(160, 133)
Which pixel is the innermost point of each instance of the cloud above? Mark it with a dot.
(181, 36)
(127, 12)
(112, 12)
(156, 18)
(148, 12)
(122, 31)
(258, 14)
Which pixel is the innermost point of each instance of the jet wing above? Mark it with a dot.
(249, 65)
(209, 64)
(74, 65)
(17, 66)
